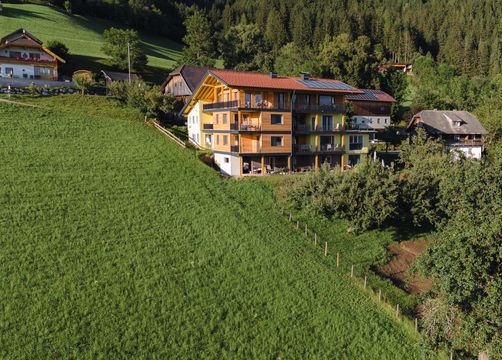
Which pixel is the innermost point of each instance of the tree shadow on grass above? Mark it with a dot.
(22, 13)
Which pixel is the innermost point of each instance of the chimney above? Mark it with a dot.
(304, 76)
(273, 75)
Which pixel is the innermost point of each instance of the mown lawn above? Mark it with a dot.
(118, 244)
(82, 35)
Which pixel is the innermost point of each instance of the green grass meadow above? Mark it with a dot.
(83, 36)
(116, 243)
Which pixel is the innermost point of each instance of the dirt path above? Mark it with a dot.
(19, 103)
(396, 269)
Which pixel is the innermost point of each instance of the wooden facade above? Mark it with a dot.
(270, 130)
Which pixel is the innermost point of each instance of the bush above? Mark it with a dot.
(57, 47)
(149, 100)
(367, 196)
(83, 81)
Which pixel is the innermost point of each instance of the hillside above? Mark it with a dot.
(116, 243)
(82, 35)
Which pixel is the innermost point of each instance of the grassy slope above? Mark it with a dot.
(83, 35)
(115, 241)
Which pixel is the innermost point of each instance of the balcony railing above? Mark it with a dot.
(356, 146)
(316, 108)
(221, 105)
(250, 127)
(304, 148)
(234, 126)
(259, 105)
(330, 148)
(234, 148)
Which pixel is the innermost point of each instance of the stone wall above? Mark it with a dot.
(37, 90)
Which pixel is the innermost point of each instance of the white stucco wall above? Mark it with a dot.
(19, 70)
(193, 124)
(231, 168)
(373, 122)
(25, 54)
(469, 151)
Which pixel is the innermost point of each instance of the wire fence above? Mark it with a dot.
(375, 293)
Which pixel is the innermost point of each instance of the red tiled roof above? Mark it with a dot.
(371, 95)
(247, 79)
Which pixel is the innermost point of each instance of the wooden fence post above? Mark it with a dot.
(290, 217)
(416, 324)
(352, 271)
(325, 248)
(337, 259)
(315, 239)
(297, 224)
(397, 309)
(379, 294)
(306, 230)
(365, 280)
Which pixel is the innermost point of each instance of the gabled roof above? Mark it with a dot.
(443, 121)
(257, 80)
(190, 73)
(371, 95)
(118, 76)
(19, 33)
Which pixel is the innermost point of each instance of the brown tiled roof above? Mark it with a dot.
(371, 95)
(248, 79)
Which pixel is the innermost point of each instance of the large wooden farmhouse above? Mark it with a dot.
(459, 130)
(23, 56)
(257, 123)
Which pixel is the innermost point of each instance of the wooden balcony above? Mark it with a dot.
(317, 108)
(250, 105)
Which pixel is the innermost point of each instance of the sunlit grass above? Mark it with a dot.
(117, 243)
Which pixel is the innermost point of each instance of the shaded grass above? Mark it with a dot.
(83, 36)
(365, 251)
(117, 243)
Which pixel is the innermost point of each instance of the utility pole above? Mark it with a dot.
(129, 60)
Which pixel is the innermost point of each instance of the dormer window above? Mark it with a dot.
(457, 123)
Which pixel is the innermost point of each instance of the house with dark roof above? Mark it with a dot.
(182, 82)
(459, 130)
(23, 56)
(261, 123)
(371, 108)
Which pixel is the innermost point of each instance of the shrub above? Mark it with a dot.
(366, 196)
(83, 81)
(57, 47)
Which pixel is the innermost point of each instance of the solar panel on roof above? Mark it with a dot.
(316, 84)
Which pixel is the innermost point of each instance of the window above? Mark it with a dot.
(225, 140)
(208, 139)
(257, 98)
(9, 71)
(325, 100)
(217, 139)
(15, 54)
(247, 99)
(197, 138)
(378, 121)
(354, 159)
(276, 140)
(236, 118)
(217, 118)
(225, 118)
(226, 160)
(227, 96)
(34, 56)
(327, 122)
(355, 142)
(280, 100)
(276, 119)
